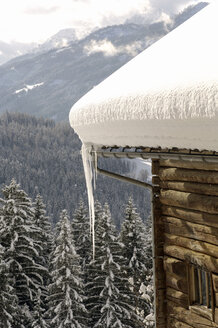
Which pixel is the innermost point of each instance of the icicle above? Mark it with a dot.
(90, 177)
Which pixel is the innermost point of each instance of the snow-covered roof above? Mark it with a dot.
(167, 96)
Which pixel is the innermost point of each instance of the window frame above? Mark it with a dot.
(196, 292)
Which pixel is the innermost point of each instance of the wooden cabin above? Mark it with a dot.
(163, 105)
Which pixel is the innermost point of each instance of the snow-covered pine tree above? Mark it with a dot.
(66, 308)
(39, 313)
(44, 239)
(17, 237)
(147, 287)
(138, 257)
(9, 311)
(109, 292)
(81, 236)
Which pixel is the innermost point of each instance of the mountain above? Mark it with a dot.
(13, 49)
(60, 40)
(48, 83)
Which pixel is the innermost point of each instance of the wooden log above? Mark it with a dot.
(205, 261)
(193, 187)
(191, 230)
(215, 283)
(216, 316)
(210, 220)
(216, 299)
(177, 297)
(195, 245)
(155, 166)
(174, 266)
(208, 204)
(177, 282)
(179, 313)
(202, 311)
(174, 174)
(196, 165)
(173, 323)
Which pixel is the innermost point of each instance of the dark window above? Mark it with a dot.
(200, 287)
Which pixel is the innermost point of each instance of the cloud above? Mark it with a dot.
(108, 49)
(41, 10)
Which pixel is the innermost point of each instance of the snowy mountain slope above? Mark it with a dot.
(13, 49)
(69, 72)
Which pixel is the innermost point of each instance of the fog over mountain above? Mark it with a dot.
(49, 80)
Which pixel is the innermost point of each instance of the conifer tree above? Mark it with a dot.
(137, 261)
(44, 240)
(109, 291)
(39, 313)
(9, 312)
(66, 308)
(81, 236)
(17, 237)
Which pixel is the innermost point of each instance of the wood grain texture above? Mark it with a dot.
(176, 174)
(192, 244)
(196, 165)
(181, 314)
(210, 220)
(198, 188)
(205, 261)
(188, 230)
(208, 204)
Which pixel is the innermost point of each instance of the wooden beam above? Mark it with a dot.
(177, 282)
(179, 313)
(197, 165)
(177, 297)
(174, 174)
(208, 204)
(206, 219)
(198, 188)
(191, 230)
(205, 261)
(192, 244)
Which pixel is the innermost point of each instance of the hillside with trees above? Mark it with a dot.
(44, 157)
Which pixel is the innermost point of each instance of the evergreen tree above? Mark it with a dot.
(66, 309)
(44, 239)
(17, 237)
(108, 290)
(39, 313)
(8, 301)
(138, 262)
(81, 236)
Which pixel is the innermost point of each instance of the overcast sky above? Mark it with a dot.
(36, 20)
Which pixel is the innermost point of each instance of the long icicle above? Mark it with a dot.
(89, 177)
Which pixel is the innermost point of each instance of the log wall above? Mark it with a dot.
(185, 233)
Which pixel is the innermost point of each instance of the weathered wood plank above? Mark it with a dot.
(195, 245)
(196, 165)
(179, 313)
(177, 282)
(177, 297)
(173, 323)
(198, 188)
(155, 167)
(215, 283)
(190, 230)
(208, 204)
(176, 174)
(206, 219)
(174, 266)
(205, 261)
(202, 311)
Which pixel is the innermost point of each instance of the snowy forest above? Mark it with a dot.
(49, 277)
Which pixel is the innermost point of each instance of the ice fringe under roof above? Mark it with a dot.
(166, 96)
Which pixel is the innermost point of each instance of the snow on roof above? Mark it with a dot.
(166, 96)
